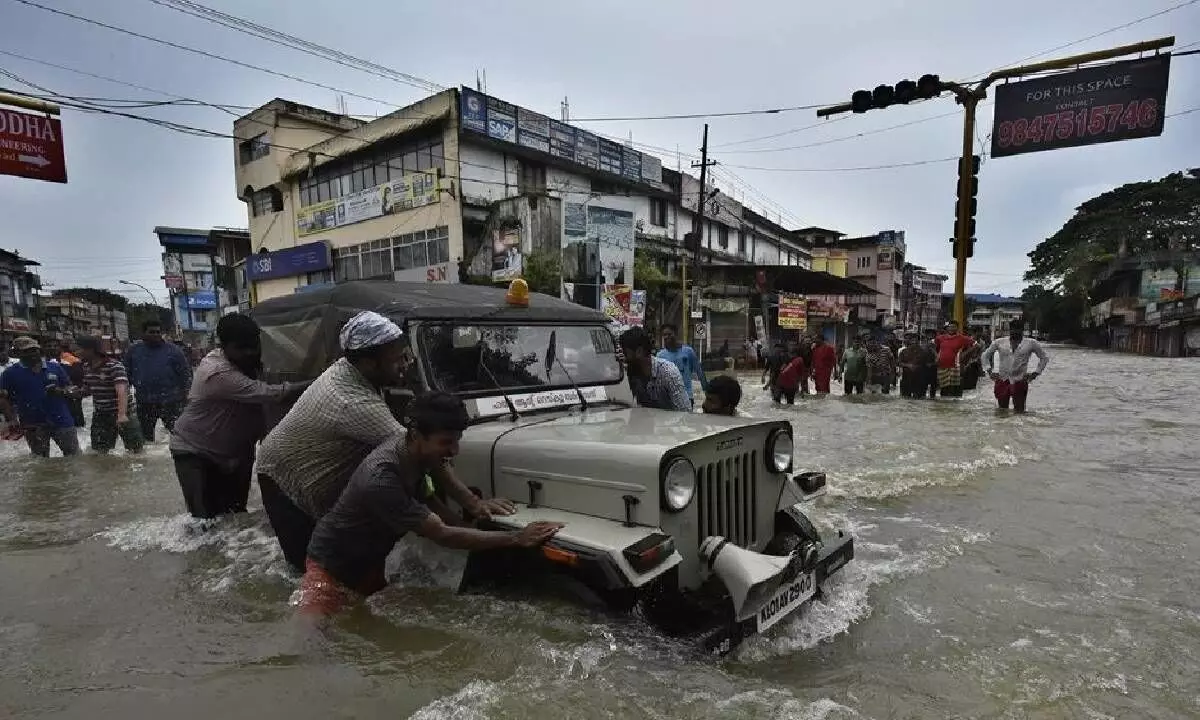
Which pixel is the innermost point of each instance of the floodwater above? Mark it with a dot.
(1041, 566)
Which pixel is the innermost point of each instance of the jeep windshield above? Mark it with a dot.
(480, 360)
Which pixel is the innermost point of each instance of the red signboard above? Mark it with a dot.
(31, 146)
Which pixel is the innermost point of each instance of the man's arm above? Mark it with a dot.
(393, 505)
(989, 355)
(699, 370)
(120, 381)
(679, 398)
(233, 385)
(1043, 358)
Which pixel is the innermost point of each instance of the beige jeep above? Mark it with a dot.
(696, 519)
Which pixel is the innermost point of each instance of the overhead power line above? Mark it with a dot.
(272, 35)
(204, 53)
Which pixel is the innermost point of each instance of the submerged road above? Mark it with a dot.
(1037, 566)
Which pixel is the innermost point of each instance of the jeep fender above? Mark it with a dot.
(588, 540)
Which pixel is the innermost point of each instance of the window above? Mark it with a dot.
(379, 165)
(723, 236)
(533, 178)
(658, 212)
(604, 187)
(265, 202)
(742, 242)
(381, 258)
(864, 262)
(254, 148)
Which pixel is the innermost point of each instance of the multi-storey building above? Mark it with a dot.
(18, 299)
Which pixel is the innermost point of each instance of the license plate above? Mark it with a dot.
(789, 597)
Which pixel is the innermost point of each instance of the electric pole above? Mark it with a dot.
(697, 234)
(969, 97)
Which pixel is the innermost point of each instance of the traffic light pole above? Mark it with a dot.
(969, 97)
(962, 230)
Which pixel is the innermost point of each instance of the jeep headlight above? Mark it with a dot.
(779, 451)
(678, 484)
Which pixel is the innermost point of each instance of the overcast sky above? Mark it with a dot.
(616, 58)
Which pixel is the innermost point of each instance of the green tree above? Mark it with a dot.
(1137, 218)
(542, 269)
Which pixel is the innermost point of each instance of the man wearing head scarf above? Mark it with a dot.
(307, 459)
(213, 440)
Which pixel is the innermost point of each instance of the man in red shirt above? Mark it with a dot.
(949, 345)
(824, 359)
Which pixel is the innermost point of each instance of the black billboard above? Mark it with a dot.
(1119, 101)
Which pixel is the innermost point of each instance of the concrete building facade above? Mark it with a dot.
(464, 184)
(202, 270)
(18, 298)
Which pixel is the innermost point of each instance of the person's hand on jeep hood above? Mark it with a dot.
(495, 506)
(536, 533)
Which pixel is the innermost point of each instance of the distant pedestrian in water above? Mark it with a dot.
(161, 374)
(106, 381)
(790, 379)
(881, 366)
(1011, 375)
(910, 367)
(775, 363)
(969, 361)
(853, 367)
(949, 346)
(824, 361)
(33, 401)
(685, 360)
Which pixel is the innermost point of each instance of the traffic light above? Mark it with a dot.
(929, 86)
(968, 191)
(904, 92)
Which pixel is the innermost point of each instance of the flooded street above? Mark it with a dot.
(1038, 566)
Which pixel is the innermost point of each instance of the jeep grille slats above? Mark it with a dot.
(727, 496)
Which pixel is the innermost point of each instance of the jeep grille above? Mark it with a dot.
(727, 499)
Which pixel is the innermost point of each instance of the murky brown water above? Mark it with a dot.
(1009, 567)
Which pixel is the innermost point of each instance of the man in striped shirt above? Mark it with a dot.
(106, 382)
(307, 459)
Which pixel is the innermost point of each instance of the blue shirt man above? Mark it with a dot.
(684, 358)
(36, 391)
(158, 370)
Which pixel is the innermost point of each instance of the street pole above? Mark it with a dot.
(969, 97)
(962, 230)
(143, 288)
(33, 104)
(698, 229)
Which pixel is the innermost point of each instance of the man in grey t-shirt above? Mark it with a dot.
(389, 496)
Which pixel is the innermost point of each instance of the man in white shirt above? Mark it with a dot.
(1011, 375)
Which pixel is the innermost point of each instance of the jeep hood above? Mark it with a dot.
(587, 462)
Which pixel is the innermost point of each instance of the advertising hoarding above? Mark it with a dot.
(289, 262)
(793, 312)
(1119, 101)
(405, 193)
(31, 146)
(509, 123)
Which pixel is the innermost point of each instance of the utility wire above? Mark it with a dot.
(203, 53)
(272, 35)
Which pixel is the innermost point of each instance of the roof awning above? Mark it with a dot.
(789, 279)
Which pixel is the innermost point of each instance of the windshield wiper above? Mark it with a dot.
(551, 358)
(512, 408)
